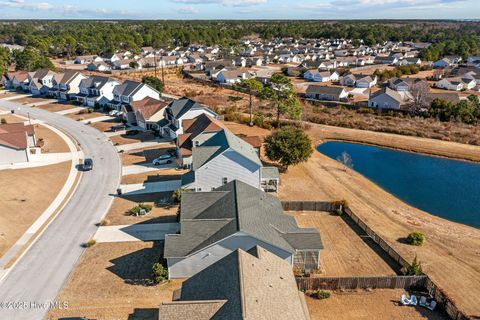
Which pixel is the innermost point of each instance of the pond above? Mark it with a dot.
(443, 187)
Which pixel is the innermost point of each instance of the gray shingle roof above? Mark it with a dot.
(255, 285)
(220, 142)
(208, 217)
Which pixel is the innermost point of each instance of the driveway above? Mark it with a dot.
(136, 232)
(40, 274)
(150, 187)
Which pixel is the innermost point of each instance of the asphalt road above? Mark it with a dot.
(38, 277)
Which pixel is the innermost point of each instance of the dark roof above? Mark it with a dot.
(208, 217)
(179, 107)
(315, 89)
(241, 286)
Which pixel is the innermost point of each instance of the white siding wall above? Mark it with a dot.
(229, 164)
(146, 91)
(190, 115)
(9, 155)
(187, 267)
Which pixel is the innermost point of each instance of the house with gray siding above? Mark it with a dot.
(389, 99)
(236, 216)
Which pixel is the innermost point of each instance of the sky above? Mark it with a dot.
(239, 9)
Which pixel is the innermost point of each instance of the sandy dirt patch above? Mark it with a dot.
(55, 107)
(140, 137)
(84, 116)
(23, 198)
(346, 253)
(49, 141)
(378, 304)
(10, 118)
(105, 126)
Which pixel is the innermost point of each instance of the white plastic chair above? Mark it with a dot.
(404, 300)
(423, 301)
(413, 300)
(433, 304)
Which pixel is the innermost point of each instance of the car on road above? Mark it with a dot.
(163, 159)
(87, 164)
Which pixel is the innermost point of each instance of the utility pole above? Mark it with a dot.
(163, 77)
(155, 61)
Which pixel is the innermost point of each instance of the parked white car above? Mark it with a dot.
(163, 159)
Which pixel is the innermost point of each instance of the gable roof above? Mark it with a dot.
(243, 291)
(316, 89)
(194, 127)
(220, 142)
(148, 107)
(14, 135)
(178, 108)
(208, 217)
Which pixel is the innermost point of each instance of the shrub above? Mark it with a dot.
(160, 273)
(104, 222)
(135, 211)
(3, 121)
(321, 294)
(415, 269)
(177, 195)
(416, 238)
(90, 243)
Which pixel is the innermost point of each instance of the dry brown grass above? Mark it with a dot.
(108, 283)
(10, 118)
(84, 116)
(451, 255)
(23, 197)
(379, 304)
(52, 142)
(118, 213)
(345, 253)
(125, 139)
(30, 100)
(54, 107)
(105, 126)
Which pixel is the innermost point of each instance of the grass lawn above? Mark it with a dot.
(110, 282)
(25, 196)
(379, 304)
(118, 213)
(345, 253)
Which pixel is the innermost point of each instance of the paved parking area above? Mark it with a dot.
(136, 232)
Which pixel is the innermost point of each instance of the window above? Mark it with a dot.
(224, 180)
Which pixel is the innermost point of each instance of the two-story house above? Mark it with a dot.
(40, 81)
(66, 85)
(96, 91)
(126, 93)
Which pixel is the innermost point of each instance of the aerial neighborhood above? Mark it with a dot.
(254, 178)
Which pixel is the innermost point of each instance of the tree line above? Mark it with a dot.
(71, 38)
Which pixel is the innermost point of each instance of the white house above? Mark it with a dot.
(320, 76)
(40, 81)
(232, 76)
(389, 99)
(130, 91)
(67, 85)
(16, 139)
(96, 90)
(456, 84)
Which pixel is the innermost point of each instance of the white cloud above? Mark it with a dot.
(187, 10)
(231, 3)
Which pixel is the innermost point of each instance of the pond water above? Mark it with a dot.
(443, 187)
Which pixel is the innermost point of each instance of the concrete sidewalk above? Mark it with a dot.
(150, 187)
(72, 110)
(99, 119)
(135, 232)
(75, 156)
(139, 145)
(147, 167)
(43, 159)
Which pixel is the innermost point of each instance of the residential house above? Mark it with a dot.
(67, 85)
(320, 76)
(195, 132)
(110, 58)
(389, 99)
(178, 111)
(146, 113)
(386, 60)
(456, 84)
(233, 76)
(98, 66)
(348, 80)
(243, 291)
(16, 80)
(87, 59)
(126, 93)
(405, 84)
(236, 216)
(16, 139)
(326, 93)
(96, 91)
(363, 81)
(40, 81)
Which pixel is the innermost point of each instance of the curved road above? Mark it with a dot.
(38, 277)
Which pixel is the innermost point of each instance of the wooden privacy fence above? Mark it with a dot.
(350, 283)
(405, 282)
(309, 206)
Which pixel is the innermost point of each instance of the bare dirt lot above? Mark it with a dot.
(118, 213)
(23, 197)
(378, 304)
(345, 253)
(30, 100)
(116, 275)
(451, 255)
(84, 116)
(52, 142)
(105, 126)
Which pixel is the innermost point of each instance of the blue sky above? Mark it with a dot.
(240, 9)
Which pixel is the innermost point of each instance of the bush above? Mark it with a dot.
(321, 294)
(416, 238)
(135, 211)
(160, 273)
(104, 222)
(90, 243)
(3, 121)
(415, 269)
